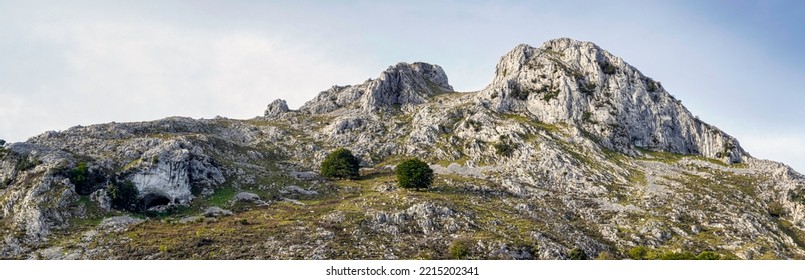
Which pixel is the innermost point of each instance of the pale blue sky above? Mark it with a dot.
(736, 64)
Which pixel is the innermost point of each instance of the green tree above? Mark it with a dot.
(340, 164)
(414, 173)
(124, 196)
(79, 176)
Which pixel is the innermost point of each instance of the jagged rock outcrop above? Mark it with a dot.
(401, 84)
(276, 108)
(568, 81)
(169, 170)
(35, 199)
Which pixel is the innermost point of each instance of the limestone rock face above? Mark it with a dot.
(401, 84)
(568, 81)
(171, 168)
(33, 201)
(276, 108)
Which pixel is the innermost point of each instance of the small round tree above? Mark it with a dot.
(414, 173)
(340, 164)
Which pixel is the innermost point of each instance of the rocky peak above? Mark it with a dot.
(401, 84)
(574, 82)
(276, 108)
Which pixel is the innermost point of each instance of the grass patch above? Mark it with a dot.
(550, 128)
(221, 197)
(664, 157)
(792, 231)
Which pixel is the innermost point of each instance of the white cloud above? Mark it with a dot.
(130, 71)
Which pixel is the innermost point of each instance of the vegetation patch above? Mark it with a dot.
(414, 173)
(645, 253)
(607, 67)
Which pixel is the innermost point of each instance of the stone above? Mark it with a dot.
(297, 190)
(215, 211)
(246, 197)
(118, 223)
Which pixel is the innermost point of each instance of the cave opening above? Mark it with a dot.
(152, 200)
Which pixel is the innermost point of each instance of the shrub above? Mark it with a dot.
(684, 255)
(79, 176)
(84, 179)
(586, 116)
(652, 86)
(577, 254)
(414, 173)
(605, 256)
(340, 164)
(475, 125)
(549, 92)
(504, 149)
(776, 209)
(519, 93)
(587, 88)
(24, 163)
(459, 248)
(124, 195)
(608, 68)
(708, 255)
(638, 253)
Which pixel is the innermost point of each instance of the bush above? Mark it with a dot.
(519, 93)
(586, 116)
(577, 254)
(504, 149)
(84, 179)
(125, 196)
(652, 86)
(638, 253)
(24, 163)
(340, 164)
(79, 176)
(776, 209)
(587, 88)
(605, 256)
(684, 255)
(414, 173)
(608, 68)
(459, 248)
(708, 255)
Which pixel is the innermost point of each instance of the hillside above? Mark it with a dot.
(568, 150)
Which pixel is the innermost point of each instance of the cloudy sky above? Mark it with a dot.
(736, 64)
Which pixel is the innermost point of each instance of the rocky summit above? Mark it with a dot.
(569, 153)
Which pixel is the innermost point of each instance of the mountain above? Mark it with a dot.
(569, 152)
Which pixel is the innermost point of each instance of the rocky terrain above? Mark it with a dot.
(568, 152)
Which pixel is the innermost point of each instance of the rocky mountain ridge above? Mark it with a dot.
(568, 148)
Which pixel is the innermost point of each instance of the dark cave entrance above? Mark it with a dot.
(152, 200)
